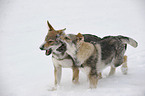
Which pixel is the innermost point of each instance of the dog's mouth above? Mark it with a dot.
(48, 52)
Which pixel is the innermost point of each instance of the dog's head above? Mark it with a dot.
(71, 38)
(72, 42)
(51, 40)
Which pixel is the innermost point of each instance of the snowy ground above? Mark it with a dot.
(26, 71)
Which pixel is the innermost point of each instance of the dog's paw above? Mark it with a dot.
(75, 82)
(124, 70)
(54, 88)
(93, 87)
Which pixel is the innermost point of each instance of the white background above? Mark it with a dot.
(26, 71)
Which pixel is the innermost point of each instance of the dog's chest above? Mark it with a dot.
(66, 63)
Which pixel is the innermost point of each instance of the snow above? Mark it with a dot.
(26, 71)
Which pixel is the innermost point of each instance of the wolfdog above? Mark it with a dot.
(59, 56)
(94, 57)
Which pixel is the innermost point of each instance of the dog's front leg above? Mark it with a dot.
(75, 75)
(57, 74)
(93, 78)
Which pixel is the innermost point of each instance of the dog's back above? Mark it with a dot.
(114, 47)
(91, 38)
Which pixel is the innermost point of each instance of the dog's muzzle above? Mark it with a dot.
(41, 47)
(48, 51)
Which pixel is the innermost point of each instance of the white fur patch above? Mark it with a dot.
(66, 63)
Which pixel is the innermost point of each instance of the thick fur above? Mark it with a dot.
(114, 47)
(107, 52)
(59, 56)
(85, 54)
(128, 40)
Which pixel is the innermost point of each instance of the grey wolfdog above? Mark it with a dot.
(94, 57)
(59, 56)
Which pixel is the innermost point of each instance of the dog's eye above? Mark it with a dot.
(50, 41)
(67, 38)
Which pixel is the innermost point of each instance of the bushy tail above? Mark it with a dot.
(128, 40)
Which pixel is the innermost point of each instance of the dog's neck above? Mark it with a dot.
(80, 51)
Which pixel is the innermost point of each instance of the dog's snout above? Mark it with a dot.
(42, 47)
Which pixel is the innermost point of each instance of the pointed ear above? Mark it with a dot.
(80, 36)
(61, 31)
(49, 25)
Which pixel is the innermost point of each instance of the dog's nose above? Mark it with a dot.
(42, 47)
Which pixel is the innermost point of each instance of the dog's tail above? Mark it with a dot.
(128, 40)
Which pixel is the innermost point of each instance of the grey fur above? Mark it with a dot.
(115, 47)
(111, 49)
(59, 54)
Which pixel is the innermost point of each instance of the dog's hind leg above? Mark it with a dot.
(75, 75)
(57, 74)
(100, 75)
(117, 62)
(112, 71)
(124, 67)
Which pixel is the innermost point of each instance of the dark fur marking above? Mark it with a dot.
(112, 46)
(107, 49)
(92, 61)
(62, 48)
(90, 37)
